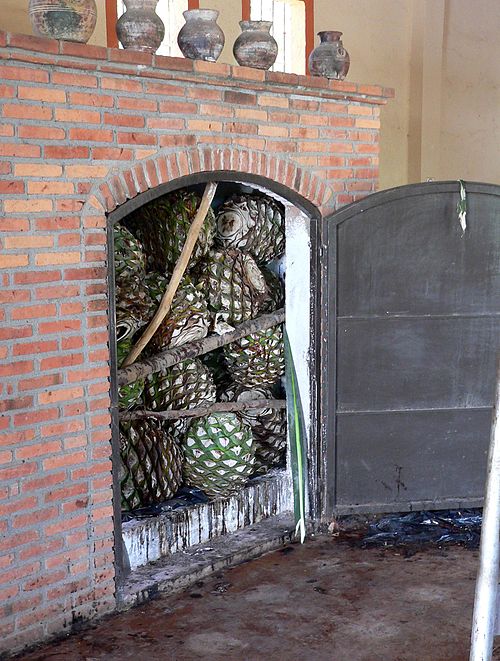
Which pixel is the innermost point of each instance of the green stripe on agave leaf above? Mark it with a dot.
(297, 443)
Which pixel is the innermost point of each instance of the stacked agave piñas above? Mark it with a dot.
(253, 223)
(151, 463)
(233, 284)
(268, 426)
(219, 454)
(133, 303)
(129, 396)
(225, 284)
(250, 232)
(187, 385)
(188, 318)
(257, 359)
(151, 457)
(162, 226)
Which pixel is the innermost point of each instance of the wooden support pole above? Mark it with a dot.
(179, 270)
(171, 357)
(200, 411)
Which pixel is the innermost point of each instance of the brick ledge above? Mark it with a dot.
(20, 47)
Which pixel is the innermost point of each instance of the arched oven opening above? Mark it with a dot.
(200, 440)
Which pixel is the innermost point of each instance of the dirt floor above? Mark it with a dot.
(325, 600)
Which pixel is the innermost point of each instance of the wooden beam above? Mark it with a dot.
(111, 18)
(199, 412)
(245, 10)
(309, 30)
(171, 357)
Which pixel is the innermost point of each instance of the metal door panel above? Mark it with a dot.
(427, 458)
(423, 362)
(408, 354)
(410, 256)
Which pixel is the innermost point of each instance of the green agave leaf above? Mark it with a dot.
(297, 443)
(462, 207)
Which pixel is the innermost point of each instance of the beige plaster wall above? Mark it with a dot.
(14, 16)
(377, 37)
(470, 117)
(229, 18)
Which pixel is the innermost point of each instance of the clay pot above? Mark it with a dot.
(329, 59)
(255, 47)
(140, 27)
(201, 38)
(71, 20)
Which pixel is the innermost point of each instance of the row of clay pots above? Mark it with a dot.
(200, 38)
(140, 28)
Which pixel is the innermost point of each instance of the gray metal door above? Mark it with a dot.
(411, 333)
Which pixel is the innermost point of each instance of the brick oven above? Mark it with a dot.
(84, 131)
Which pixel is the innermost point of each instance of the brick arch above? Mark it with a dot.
(164, 167)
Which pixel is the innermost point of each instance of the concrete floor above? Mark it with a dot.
(325, 600)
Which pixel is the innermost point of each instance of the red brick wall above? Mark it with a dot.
(82, 129)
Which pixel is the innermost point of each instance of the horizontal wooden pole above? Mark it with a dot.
(171, 357)
(216, 407)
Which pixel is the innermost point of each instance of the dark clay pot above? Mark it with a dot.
(71, 20)
(255, 47)
(140, 27)
(330, 59)
(201, 38)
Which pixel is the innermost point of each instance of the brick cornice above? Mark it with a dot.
(27, 48)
